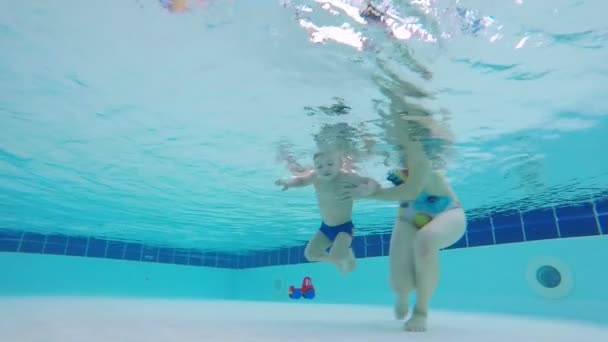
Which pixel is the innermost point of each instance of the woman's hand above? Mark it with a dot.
(353, 190)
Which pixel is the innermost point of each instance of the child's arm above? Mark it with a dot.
(296, 182)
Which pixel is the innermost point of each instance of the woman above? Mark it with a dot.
(429, 218)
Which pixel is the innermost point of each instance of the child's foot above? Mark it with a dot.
(346, 265)
(350, 264)
(417, 323)
(342, 267)
(401, 308)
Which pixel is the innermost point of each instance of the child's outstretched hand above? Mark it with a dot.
(283, 183)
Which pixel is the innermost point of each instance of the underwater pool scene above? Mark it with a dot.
(141, 142)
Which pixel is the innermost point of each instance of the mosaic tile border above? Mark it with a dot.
(581, 219)
(80, 246)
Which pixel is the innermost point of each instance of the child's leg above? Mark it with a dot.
(340, 249)
(316, 249)
(342, 254)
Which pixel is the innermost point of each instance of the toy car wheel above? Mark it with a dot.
(296, 294)
(309, 294)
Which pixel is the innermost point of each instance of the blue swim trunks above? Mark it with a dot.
(332, 231)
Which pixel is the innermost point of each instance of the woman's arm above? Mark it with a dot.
(419, 169)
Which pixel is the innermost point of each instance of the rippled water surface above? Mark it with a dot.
(123, 119)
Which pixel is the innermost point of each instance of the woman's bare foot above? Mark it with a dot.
(417, 323)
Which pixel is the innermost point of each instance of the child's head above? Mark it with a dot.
(327, 165)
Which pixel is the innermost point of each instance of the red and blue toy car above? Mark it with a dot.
(307, 290)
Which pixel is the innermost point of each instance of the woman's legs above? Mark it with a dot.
(401, 259)
(444, 230)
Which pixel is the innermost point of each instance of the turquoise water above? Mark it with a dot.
(125, 121)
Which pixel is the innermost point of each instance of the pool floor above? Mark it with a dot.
(76, 319)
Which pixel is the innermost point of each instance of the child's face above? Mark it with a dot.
(327, 166)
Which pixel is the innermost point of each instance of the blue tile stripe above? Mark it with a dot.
(95, 247)
(585, 218)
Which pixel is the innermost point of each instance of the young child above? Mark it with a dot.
(336, 229)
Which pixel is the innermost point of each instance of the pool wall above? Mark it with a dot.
(486, 279)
